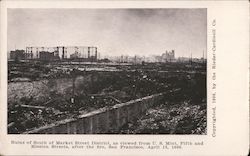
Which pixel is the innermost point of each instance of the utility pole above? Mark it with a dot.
(73, 73)
(203, 59)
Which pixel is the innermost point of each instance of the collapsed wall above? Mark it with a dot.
(102, 120)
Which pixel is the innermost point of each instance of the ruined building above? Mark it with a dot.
(168, 56)
(17, 54)
(83, 53)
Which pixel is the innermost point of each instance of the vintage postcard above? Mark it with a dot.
(124, 78)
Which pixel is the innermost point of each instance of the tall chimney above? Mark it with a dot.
(63, 52)
(88, 52)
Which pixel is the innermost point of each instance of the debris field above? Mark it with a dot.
(42, 93)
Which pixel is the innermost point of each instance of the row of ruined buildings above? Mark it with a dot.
(56, 53)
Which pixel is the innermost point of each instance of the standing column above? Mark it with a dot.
(96, 53)
(31, 53)
(37, 55)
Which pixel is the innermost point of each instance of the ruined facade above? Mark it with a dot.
(168, 56)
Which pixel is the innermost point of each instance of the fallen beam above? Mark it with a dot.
(32, 107)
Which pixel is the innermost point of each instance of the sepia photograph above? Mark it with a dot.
(107, 71)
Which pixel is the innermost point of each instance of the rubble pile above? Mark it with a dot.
(182, 111)
(22, 118)
(174, 119)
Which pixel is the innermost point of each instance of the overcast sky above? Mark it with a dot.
(113, 31)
